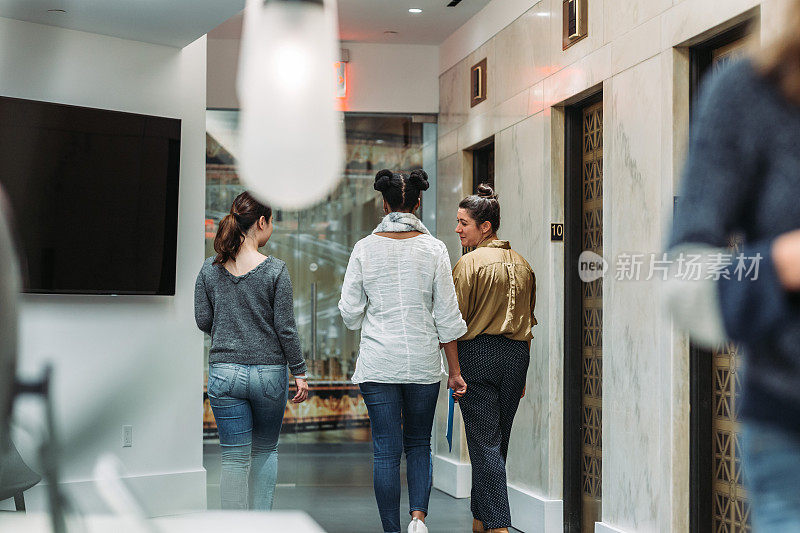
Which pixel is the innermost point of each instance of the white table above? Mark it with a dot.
(201, 522)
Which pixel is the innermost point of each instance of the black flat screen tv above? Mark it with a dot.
(94, 195)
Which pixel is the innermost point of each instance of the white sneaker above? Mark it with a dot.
(417, 526)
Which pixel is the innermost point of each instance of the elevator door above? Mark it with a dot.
(721, 504)
(592, 318)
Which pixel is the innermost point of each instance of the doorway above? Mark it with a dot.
(718, 499)
(583, 321)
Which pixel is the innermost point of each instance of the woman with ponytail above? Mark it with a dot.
(496, 291)
(399, 291)
(243, 299)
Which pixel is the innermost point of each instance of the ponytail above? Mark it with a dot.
(245, 212)
(228, 240)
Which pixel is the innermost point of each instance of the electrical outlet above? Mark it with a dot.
(127, 436)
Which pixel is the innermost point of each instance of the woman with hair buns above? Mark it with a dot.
(243, 299)
(496, 290)
(399, 290)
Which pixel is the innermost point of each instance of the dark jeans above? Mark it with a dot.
(495, 369)
(401, 417)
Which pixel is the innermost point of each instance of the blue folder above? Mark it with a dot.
(451, 407)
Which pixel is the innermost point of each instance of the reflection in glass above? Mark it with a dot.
(315, 243)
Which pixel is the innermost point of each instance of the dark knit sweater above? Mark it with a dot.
(250, 318)
(743, 176)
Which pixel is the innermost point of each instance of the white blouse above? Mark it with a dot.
(400, 293)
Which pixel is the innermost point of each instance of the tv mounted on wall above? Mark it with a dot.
(94, 195)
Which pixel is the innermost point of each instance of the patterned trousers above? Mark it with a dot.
(495, 370)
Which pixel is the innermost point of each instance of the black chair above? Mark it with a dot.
(15, 478)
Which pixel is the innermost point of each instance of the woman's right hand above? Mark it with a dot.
(459, 386)
(302, 390)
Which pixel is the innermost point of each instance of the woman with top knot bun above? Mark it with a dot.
(398, 289)
(496, 291)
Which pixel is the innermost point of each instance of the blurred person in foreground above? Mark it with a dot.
(743, 177)
(399, 290)
(496, 291)
(243, 299)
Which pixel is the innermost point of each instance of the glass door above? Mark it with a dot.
(315, 243)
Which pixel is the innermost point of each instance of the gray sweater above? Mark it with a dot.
(743, 176)
(251, 317)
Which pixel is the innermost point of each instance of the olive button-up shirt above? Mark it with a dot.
(496, 290)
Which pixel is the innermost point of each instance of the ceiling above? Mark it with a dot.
(168, 22)
(179, 22)
(367, 20)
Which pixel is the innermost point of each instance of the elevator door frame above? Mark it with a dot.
(701, 369)
(573, 347)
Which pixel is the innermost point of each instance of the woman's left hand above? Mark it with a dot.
(458, 385)
(302, 390)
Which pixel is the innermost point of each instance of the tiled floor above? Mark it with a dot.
(332, 481)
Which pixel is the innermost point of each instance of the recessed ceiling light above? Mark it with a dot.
(415, 10)
(379, 141)
(56, 11)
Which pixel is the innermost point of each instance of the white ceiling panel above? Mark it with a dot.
(168, 22)
(367, 21)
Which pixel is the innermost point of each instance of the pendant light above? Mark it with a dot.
(290, 131)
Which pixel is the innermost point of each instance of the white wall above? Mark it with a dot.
(381, 78)
(128, 359)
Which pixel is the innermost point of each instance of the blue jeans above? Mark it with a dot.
(772, 476)
(401, 418)
(248, 403)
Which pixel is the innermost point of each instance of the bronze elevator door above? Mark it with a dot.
(723, 506)
(730, 510)
(591, 318)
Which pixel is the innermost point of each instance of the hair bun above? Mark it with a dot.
(382, 179)
(486, 191)
(419, 179)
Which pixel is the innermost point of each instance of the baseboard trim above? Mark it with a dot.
(533, 514)
(600, 527)
(159, 494)
(452, 477)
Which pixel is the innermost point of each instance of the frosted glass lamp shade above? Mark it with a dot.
(290, 131)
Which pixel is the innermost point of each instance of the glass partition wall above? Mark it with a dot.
(315, 244)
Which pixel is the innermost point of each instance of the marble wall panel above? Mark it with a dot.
(513, 110)
(621, 16)
(696, 20)
(536, 99)
(448, 194)
(554, 168)
(675, 347)
(522, 52)
(447, 145)
(523, 189)
(639, 44)
(569, 83)
(477, 129)
(453, 98)
(636, 380)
